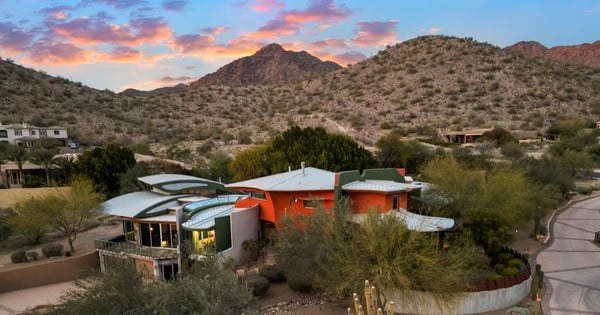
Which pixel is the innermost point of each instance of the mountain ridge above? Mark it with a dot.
(586, 54)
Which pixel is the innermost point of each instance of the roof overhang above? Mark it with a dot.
(413, 221)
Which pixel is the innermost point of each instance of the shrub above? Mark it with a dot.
(18, 257)
(584, 190)
(499, 267)
(510, 271)
(516, 263)
(259, 284)
(251, 249)
(299, 284)
(52, 249)
(493, 276)
(33, 255)
(504, 258)
(271, 272)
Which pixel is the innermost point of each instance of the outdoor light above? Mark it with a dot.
(164, 243)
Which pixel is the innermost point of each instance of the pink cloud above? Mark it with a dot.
(14, 39)
(264, 6)
(57, 53)
(122, 54)
(96, 30)
(158, 83)
(348, 58)
(376, 33)
(191, 43)
(216, 30)
(319, 10)
(289, 22)
(329, 43)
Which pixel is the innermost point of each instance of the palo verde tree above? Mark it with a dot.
(30, 219)
(393, 151)
(104, 166)
(334, 254)
(69, 210)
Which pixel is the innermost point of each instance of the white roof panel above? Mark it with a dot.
(132, 204)
(386, 186)
(205, 219)
(309, 179)
(161, 179)
(414, 222)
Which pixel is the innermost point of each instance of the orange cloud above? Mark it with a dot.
(158, 83)
(122, 54)
(216, 30)
(376, 33)
(57, 53)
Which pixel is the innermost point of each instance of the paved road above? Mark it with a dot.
(571, 263)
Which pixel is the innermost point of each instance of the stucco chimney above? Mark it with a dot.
(303, 165)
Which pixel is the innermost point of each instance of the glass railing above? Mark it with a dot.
(196, 206)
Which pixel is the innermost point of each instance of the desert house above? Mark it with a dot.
(27, 135)
(221, 217)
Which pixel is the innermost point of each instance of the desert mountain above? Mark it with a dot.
(417, 85)
(270, 65)
(584, 54)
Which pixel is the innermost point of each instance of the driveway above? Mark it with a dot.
(571, 263)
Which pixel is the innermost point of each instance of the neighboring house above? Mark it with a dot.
(217, 217)
(463, 136)
(10, 176)
(27, 135)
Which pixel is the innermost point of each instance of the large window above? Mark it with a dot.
(56, 132)
(3, 134)
(18, 132)
(159, 235)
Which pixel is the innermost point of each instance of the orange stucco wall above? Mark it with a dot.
(363, 202)
(280, 203)
(144, 266)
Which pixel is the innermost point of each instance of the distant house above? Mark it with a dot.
(221, 217)
(27, 135)
(463, 136)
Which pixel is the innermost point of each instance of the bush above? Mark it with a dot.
(510, 271)
(18, 257)
(271, 272)
(584, 190)
(499, 267)
(493, 276)
(516, 263)
(504, 258)
(251, 249)
(299, 284)
(52, 249)
(33, 255)
(260, 285)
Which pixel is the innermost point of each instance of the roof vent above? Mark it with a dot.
(303, 166)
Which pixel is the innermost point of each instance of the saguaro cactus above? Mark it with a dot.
(371, 305)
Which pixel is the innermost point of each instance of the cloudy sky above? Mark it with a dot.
(145, 44)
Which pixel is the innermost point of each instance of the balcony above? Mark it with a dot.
(119, 246)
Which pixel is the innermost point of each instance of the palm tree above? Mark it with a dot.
(19, 154)
(44, 157)
(64, 168)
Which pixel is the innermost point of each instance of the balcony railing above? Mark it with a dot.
(128, 248)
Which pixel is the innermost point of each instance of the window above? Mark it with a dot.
(311, 203)
(258, 195)
(395, 202)
(159, 235)
(33, 132)
(42, 132)
(18, 132)
(129, 231)
(56, 132)
(168, 235)
(3, 134)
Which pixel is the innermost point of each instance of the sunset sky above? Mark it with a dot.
(144, 44)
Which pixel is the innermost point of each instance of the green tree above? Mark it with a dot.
(64, 168)
(512, 150)
(219, 166)
(31, 218)
(569, 127)
(337, 255)
(205, 290)
(316, 147)
(3, 158)
(250, 163)
(499, 136)
(70, 209)
(104, 166)
(392, 151)
(44, 157)
(128, 181)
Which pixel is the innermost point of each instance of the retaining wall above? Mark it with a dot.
(47, 273)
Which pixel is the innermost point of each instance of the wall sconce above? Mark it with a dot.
(164, 243)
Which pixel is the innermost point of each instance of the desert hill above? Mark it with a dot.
(584, 54)
(418, 85)
(270, 65)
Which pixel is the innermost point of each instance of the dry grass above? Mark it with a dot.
(9, 196)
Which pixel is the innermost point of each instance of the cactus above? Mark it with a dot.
(371, 305)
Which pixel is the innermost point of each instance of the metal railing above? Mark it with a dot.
(129, 248)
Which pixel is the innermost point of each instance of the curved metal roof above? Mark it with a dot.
(413, 221)
(140, 204)
(298, 180)
(205, 220)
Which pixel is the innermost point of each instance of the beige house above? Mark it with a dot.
(24, 134)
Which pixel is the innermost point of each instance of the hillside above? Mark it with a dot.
(584, 54)
(270, 65)
(424, 83)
